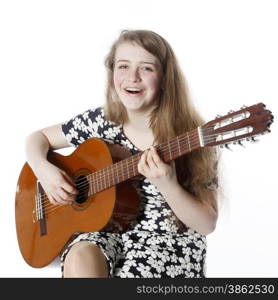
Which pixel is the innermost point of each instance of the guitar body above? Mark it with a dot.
(113, 209)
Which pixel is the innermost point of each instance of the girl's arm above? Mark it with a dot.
(58, 186)
(186, 207)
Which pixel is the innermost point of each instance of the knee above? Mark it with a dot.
(83, 249)
(85, 259)
(82, 252)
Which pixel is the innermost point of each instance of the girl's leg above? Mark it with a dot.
(85, 259)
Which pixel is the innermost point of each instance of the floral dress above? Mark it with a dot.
(156, 247)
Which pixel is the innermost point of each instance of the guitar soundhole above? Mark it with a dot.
(82, 185)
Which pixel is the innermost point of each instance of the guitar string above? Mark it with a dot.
(86, 185)
(46, 206)
(55, 206)
(84, 182)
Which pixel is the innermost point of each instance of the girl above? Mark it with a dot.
(146, 104)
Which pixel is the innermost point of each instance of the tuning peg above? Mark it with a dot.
(227, 147)
(240, 143)
(265, 132)
(253, 140)
(218, 116)
(230, 111)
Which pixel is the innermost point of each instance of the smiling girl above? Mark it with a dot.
(146, 104)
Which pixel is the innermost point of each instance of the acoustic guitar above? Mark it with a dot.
(103, 173)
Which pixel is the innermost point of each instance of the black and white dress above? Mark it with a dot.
(156, 247)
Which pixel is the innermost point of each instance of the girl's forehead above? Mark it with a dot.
(132, 52)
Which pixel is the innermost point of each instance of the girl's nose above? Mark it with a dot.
(134, 75)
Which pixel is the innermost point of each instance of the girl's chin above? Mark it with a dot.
(138, 108)
(136, 104)
(133, 107)
(132, 103)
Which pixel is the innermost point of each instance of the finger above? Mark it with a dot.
(158, 161)
(150, 160)
(55, 200)
(143, 159)
(142, 165)
(69, 185)
(52, 199)
(59, 199)
(65, 197)
(69, 189)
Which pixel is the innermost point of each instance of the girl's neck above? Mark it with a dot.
(138, 120)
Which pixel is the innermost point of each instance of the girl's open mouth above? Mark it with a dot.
(133, 91)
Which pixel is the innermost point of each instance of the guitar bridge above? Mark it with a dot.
(40, 213)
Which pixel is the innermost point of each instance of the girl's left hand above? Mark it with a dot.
(152, 167)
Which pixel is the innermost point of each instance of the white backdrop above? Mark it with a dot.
(51, 68)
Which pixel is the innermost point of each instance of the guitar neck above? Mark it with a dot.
(234, 127)
(127, 168)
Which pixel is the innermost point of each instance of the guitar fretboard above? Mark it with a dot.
(127, 168)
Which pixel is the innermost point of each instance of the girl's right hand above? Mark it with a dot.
(58, 186)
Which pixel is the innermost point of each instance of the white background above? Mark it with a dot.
(51, 68)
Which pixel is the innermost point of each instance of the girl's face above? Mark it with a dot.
(137, 77)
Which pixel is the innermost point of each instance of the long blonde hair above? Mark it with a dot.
(173, 114)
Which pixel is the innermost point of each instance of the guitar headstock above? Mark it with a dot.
(245, 123)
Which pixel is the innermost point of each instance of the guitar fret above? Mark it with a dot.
(188, 141)
(104, 173)
(127, 160)
(178, 141)
(117, 174)
(107, 178)
(97, 189)
(100, 182)
(112, 177)
(119, 171)
(169, 147)
(133, 164)
(122, 171)
(95, 183)
(90, 185)
(103, 179)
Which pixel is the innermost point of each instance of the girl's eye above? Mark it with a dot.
(122, 67)
(147, 69)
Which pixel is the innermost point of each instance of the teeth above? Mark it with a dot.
(133, 90)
